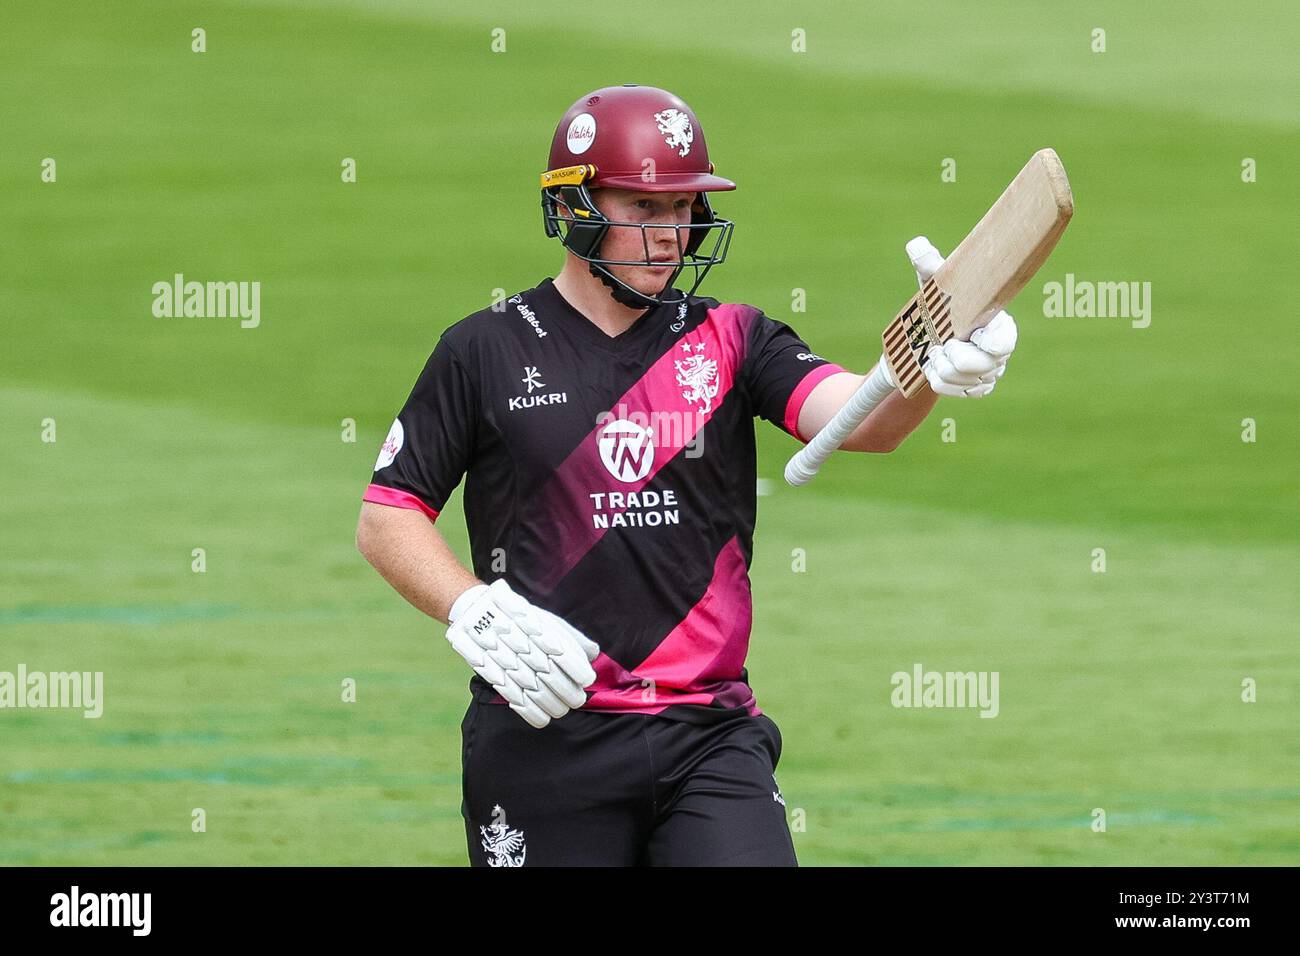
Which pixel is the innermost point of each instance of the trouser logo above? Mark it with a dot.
(503, 845)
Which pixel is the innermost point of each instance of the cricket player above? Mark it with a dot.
(603, 424)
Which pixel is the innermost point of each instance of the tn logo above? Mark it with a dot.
(627, 449)
(919, 340)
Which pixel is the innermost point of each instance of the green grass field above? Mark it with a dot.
(1119, 690)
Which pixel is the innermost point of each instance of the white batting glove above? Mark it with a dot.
(964, 369)
(533, 659)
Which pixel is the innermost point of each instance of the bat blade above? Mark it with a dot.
(986, 271)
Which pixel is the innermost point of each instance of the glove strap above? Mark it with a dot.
(465, 601)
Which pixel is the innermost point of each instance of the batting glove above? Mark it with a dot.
(533, 659)
(964, 369)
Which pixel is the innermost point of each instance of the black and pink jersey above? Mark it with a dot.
(611, 480)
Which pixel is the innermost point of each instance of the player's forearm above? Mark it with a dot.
(412, 556)
(883, 430)
(892, 421)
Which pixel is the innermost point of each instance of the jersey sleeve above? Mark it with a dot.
(780, 371)
(431, 443)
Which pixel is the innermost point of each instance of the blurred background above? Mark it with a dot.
(1121, 689)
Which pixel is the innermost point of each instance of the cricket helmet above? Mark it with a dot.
(639, 138)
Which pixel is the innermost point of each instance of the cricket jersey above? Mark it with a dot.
(610, 480)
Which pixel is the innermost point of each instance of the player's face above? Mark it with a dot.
(626, 242)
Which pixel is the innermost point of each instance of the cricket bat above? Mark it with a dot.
(985, 272)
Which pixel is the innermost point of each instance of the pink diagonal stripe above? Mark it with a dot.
(710, 643)
(565, 505)
(618, 690)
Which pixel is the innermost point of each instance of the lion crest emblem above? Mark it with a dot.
(677, 130)
(697, 375)
(503, 845)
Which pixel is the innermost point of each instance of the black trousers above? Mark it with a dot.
(599, 789)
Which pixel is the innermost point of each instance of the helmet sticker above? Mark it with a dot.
(676, 128)
(582, 133)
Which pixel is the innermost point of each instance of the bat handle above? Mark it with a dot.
(803, 466)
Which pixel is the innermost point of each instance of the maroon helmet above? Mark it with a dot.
(639, 138)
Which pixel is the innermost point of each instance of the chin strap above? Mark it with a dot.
(620, 294)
